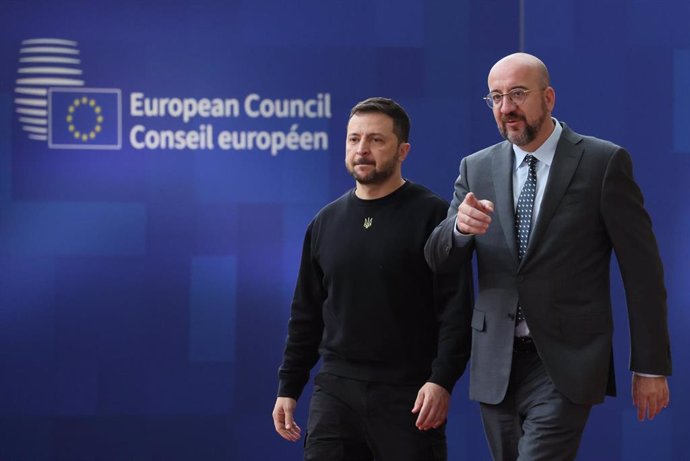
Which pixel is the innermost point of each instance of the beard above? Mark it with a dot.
(529, 133)
(378, 175)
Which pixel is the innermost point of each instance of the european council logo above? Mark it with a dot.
(53, 104)
(84, 118)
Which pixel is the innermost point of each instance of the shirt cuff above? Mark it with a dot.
(647, 375)
(459, 238)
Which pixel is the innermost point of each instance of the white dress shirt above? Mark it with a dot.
(544, 155)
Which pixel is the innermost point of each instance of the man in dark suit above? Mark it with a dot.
(542, 211)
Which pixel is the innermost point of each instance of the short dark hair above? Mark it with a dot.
(401, 121)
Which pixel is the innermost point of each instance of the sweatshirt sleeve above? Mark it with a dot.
(453, 299)
(305, 326)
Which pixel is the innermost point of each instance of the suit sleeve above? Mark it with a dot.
(440, 252)
(305, 326)
(630, 230)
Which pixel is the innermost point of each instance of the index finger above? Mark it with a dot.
(424, 415)
(487, 205)
(642, 406)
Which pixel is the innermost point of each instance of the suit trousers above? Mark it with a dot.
(351, 420)
(534, 421)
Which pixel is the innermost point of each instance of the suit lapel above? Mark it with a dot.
(502, 161)
(565, 162)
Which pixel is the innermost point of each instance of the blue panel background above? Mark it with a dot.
(144, 294)
(681, 95)
(212, 308)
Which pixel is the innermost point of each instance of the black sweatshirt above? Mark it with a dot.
(367, 303)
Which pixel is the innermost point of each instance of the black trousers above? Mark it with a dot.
(351, 420)
(534, 421)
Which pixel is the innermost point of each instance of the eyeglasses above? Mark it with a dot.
(516, 96)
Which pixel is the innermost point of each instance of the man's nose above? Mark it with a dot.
(363, 147)
(507, 105)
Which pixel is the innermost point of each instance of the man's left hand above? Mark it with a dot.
(431, 405)
(650, 395)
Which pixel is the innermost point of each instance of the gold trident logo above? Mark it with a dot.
(368, 222)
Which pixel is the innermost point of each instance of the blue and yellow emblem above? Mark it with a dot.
(84, 118)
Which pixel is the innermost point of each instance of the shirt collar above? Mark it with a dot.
(546, 151)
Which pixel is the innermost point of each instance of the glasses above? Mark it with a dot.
(516, 96)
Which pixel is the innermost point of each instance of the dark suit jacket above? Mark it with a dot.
(591, 205)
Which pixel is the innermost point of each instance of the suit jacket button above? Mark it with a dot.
(511, 316)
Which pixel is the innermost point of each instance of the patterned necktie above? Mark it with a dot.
(523, 214)
(525, 205)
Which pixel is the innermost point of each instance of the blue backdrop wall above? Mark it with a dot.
(157, 177)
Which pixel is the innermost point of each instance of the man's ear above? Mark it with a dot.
(403, 150)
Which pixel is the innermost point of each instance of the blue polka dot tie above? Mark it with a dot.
(523, 213)
(525, 205)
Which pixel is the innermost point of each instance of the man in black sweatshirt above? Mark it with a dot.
(393, 337)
